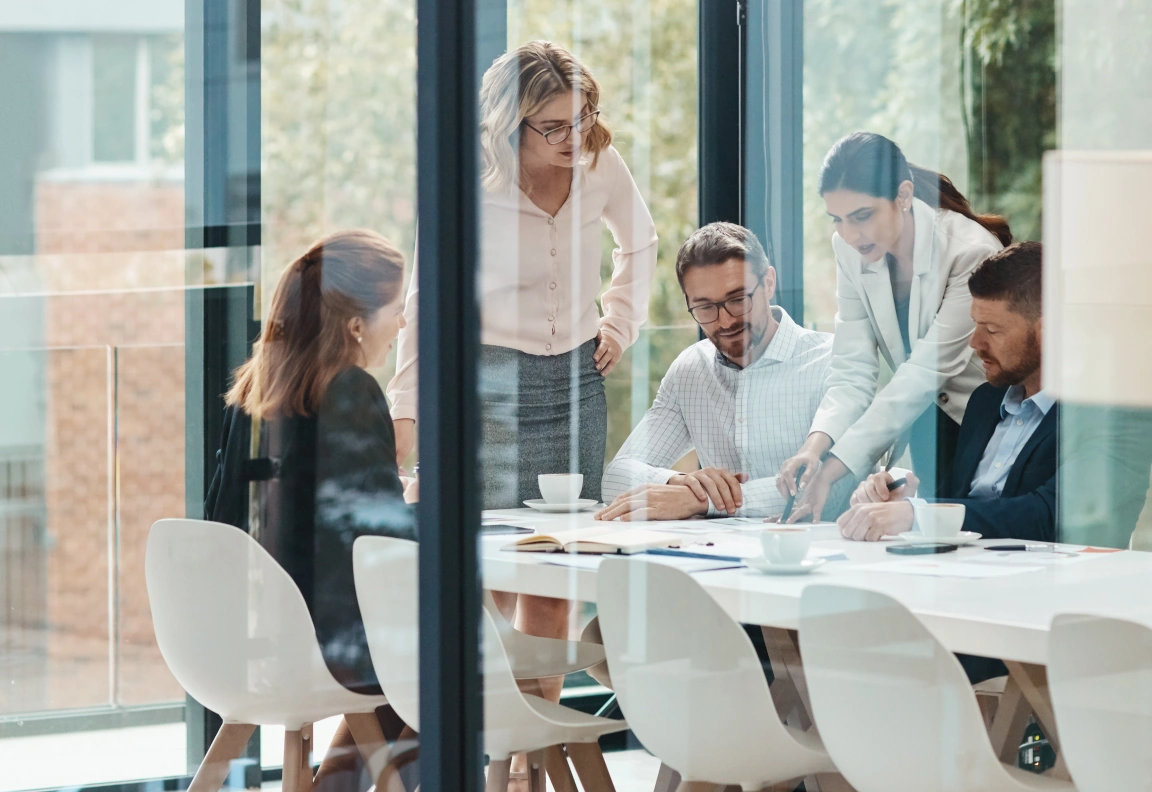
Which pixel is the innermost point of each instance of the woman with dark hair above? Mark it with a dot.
(906, 241)
(307, 462)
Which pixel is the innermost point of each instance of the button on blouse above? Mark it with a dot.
(540, 274)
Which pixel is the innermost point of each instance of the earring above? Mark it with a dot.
(359, 340)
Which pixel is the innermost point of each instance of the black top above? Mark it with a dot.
(324, 481)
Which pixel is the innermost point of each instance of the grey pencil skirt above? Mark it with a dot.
(540, 414)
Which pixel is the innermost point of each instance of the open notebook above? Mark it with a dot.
(595, 540)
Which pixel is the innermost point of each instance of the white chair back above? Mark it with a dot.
(881, 685)
(230, 623)
(387, 576)
(686, 675)
(1100, 678)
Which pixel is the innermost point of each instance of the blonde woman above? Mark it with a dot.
(550, 179)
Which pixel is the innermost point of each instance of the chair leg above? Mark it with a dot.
(293, 760)
(371, 743)
(667, 780)
(556, 761)
(536, 768)
(498, 775)
(590, 766)
(228, 744)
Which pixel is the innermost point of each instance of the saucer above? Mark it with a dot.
(761, 564)
(962, 538)
(560, 508)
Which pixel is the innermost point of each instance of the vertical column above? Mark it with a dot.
(451, 714)
(221, 210)
(721, 110)
(773, 146)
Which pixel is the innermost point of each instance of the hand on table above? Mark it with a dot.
(608, 353)
(813, 496)
(655, 502)
(715, 484)
(874, 489)
(870, 522)
(808, 457)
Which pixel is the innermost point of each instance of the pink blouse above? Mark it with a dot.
(540, 275)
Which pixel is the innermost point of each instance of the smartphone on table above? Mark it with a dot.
(921, 549)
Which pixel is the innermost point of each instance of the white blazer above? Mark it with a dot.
(942, 368)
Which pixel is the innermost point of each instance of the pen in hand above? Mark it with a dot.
(792, 498)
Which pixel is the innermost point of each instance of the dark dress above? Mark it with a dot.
(323, 481)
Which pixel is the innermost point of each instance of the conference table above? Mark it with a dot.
(975, 601)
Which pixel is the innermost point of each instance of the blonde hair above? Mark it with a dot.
(306, 341)
(516, 86)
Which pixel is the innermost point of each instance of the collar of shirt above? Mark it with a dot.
(780, 348)
(1014, 401)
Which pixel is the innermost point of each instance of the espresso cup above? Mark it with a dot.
(940, 520)
(785, 544)
(560, 487)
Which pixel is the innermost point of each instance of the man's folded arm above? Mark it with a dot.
(761, 499)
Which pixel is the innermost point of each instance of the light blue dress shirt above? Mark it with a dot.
(1019, 418)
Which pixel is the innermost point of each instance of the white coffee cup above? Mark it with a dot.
(940, 520)
(785, 544)
(561, 487)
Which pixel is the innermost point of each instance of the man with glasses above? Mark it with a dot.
(743, 398)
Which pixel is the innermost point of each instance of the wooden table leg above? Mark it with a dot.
(1009, 723)
(556, 761)
(590, 766)
(667, 779)
(789, 685)
(1033, 683)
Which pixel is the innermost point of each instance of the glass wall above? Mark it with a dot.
(217, 279)
(92, 441)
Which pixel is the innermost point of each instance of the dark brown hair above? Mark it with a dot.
(306, 341)
(871, 164)
(1014, 274)
(716, 243)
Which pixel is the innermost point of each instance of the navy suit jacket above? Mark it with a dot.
(1026, 508)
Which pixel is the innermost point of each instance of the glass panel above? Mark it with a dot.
(92, 276)
(114, 64)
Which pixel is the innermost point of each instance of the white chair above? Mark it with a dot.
(235, 632)
(1100, 678)
(386, 587)
(688, 679)
(893, 705)
(533, 657)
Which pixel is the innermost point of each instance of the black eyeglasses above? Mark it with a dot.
(736, 306)
(555, 137)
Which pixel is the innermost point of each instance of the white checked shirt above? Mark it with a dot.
(744, 420)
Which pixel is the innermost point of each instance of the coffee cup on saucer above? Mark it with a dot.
(785, 544)
(940, 520)
(560, 488)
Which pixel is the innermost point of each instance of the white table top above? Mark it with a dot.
(1006, 617)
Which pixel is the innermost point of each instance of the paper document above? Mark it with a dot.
(957, 569)
(577, 561)
(1029, 558)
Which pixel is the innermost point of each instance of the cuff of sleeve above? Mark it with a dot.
(859, 464)
(824, 422)
(401, 409)
(613, 332)
(661, 475)
(917, 505)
